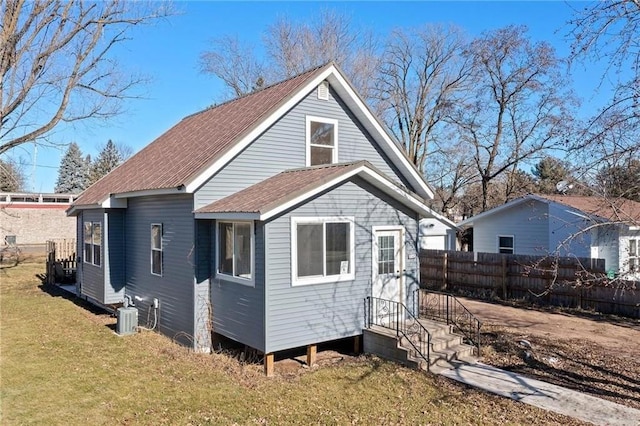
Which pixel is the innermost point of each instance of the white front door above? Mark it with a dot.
(388, 259)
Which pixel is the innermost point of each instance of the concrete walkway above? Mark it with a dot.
(541, 394)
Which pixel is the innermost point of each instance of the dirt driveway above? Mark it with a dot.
(596, 354)
(618, 334)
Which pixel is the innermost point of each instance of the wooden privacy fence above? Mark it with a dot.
(547, 280)
(61, 261)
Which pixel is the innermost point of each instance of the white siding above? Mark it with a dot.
(527, 222)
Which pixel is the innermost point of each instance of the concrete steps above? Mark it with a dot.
(445, 346)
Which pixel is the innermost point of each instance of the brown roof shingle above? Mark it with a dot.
(612, 209)
(279, 189)
(198, 140)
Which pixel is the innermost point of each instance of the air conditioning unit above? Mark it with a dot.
(127, 321)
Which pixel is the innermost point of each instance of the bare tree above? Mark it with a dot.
(12, 177)
(520, 107)
(56, 64)
(291, 48)
(422, 75)
(235, 63)
(450, 173)
(609, 31)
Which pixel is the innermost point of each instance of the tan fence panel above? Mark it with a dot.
(539, 279)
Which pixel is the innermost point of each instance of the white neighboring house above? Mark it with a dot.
(437, 233)
(565, 225)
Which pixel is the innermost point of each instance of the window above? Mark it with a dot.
(156, 249)
(505, 244)
(92, 242)
(322, 250)
(634, 255)
(235, 257)
(322, 141)
(386, 254)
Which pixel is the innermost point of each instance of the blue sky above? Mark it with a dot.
(167, 53)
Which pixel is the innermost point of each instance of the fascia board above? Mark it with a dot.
(390, 147)
(228, 215)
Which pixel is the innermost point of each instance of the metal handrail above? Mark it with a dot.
(441, 306)
(396, 316)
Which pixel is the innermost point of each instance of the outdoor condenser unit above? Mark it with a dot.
(127, 321)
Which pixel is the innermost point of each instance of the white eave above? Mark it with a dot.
(359, 109)
(374, 178)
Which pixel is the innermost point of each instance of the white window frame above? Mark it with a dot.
(93, 243)
(321, 279)
(232, 278)
(636, 256)
(309, 119)
(513, 241)
(161, 249)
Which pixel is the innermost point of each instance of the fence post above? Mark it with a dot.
(504, 277)
(445, 266)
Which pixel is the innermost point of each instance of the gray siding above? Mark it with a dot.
(283, 147)
(612, 245)
(528, 223)
(238, 310)
(175, 288)
(566, 235)
(114, 256)
(302, 315)
(92, 276)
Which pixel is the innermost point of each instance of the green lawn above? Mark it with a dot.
(61, 363)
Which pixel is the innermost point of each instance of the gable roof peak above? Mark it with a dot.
(262, 89)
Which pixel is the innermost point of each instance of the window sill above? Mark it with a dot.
(249, 282)
(297, 282)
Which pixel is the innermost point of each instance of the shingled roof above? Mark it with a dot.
(599, 209)
(610, 209)
(181, 153)
(286, 189)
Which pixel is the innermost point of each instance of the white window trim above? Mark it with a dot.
(630, 256)
(93, 255)
(513, 239)
(309, 119)
(324, 279)
(231, 278)
(161, 250)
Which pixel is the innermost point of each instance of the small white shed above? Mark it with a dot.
(437, 234)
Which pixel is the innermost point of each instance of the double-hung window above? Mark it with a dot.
(322, 250)
(156, 249)
(634, 255)
(92, 242)
(505, 244)
(322, 141)
(235, 250)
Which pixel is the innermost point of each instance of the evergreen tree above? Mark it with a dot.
(548, 172)
(108, 159)
(73, 175)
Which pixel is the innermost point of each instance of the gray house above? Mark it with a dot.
(566, 225)
(267, 219)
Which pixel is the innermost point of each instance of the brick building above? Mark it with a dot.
(28, 219)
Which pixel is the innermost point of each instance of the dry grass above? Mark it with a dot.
(63, 364)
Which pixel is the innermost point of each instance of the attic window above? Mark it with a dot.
(322, 141)
(323, 91)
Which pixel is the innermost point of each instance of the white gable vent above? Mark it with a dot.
(323, 91)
